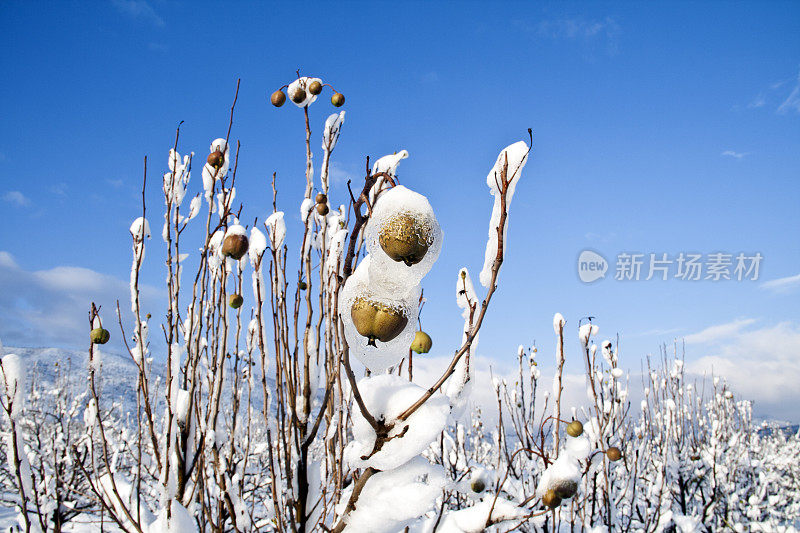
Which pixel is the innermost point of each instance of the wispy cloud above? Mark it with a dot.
(758, 101)
(792, 102)
(782, 285)
(605, 29)
(48, 307)
(116, 183)
(16, 197)
(760, 364)
(140, 10)
(718, 332)
(735, 155)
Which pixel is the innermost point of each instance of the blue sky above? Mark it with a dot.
(661, 128)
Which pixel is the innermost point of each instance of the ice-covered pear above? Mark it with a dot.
(377, 321)
(215, 159)
(315, 88)
(565, 488)
(278, 98)
(551, 499)
(235, 301)
(337, 99)
(422, 342)
(235, 246)
(404, 239)
(99, 336)
(574, 429)
(298, 96)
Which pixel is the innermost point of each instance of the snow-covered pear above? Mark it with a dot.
(613, 454)
(215, 159)
(565, 488)
(99, 336)
(574, 429)
(477, 485)
(377, 321)
(315, 88)
(337, 99)
(298, 96)
(422, 342)
(235, 301)
(403, 239)
(551, 499)
(278, 98)
(235, 244)
(322, 209)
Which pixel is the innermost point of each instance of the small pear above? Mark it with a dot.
(422, 342)
(613, 454)
(377, 321)
(298, 96)
(235, 301)
(235, 246)
(337, 99)
(477, 485)
(315, 88)
(574, 429)
(321, 198)
(278, 98)
(404, 239)
(551, 499)
(322, 209)
(302, 285)
(99, 336)
(215, 159)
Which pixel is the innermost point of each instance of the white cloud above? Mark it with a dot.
(736, 155)
(16, 197)
(718, 332)
(138, 9)
(758, 101)
(760, 364)
(50, 307)
(782, 285)
(792, 102)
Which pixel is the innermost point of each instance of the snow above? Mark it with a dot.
(180, 521)
(332, 130)
(392, 500)
(516, 155)
(276, 227)
(389, 163)
(13, 371)
(140, 228)
(473, 519)
(386, 397)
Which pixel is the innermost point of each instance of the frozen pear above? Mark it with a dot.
(298, 96)
(574, 429)
(315, 88)
(404, 239)
(613, 454)
(321, 198)
(377, 321)
(215, 159)
(337, 99)
(422, 342)
(322, 209)
(235, 246)
(278, 98)
(551, 499)
(235, 301)
(565, 488)
(99, 336)
(477, 485)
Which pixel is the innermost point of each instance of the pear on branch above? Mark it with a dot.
(235, 245)
(235, 301)
(377, 321)
(99, 336)
(404, 239)
(422, 342)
